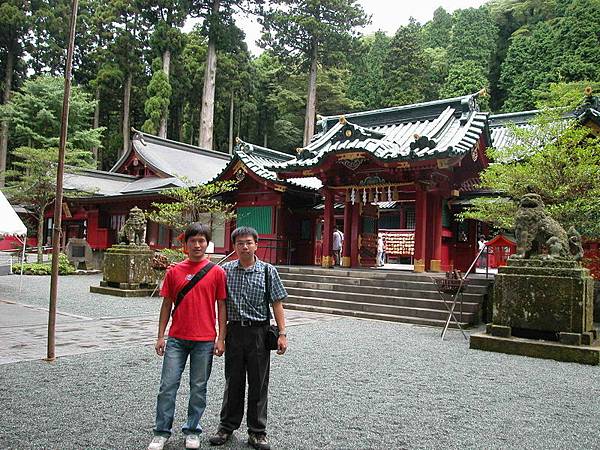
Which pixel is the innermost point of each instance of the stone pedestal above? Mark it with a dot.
(127, 272)
(551, 300)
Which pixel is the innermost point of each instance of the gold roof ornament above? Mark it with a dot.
(483, 92)
(588, 91)
(237, 140)
(343, 120)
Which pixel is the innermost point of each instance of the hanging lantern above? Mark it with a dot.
(353, 196)
(389, 193)
(364, 196)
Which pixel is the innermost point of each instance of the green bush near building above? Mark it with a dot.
(64, 267)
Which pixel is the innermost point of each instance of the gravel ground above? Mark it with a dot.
(74, 296)
(345, 384)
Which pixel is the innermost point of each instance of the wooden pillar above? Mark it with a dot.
(435, 219)
(328, 219)
(346, 259)
(420, 230)
(355, 235)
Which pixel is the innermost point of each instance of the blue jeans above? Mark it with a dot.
(176, 353)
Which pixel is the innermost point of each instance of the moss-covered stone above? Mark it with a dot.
(544, 295)
(129, 266)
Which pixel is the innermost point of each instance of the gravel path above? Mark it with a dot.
(345, 384)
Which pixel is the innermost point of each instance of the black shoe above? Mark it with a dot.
(220, 437)
(258, 441)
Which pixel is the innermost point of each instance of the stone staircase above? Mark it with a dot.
(379, 294)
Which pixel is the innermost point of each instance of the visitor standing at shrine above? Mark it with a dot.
(190, 291)
(246, 355)
(338, 241)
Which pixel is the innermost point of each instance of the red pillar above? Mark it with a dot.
(346, 259)
(328, 219)
(420, 230)
(435, 219)
(354, 235)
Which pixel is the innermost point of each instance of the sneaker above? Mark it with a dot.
(158, 443)
(192, 441)
(258, 441)
(220, 437)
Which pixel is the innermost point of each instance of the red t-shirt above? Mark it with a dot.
(194, 318)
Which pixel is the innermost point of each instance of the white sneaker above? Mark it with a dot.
(192, 441)
(158, 443)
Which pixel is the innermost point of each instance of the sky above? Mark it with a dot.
(386, 15)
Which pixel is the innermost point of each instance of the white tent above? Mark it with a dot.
(12, 225)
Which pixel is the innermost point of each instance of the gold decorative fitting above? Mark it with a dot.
(237, 140)
(588, 91)
(298, 150)
(482, 92)
(343, 120)
(348, 133)
(416, 136)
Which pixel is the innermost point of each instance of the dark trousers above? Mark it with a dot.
(245, 354)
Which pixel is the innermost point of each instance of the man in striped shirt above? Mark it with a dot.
(246, 354)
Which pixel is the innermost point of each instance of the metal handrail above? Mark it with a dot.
(487, 259)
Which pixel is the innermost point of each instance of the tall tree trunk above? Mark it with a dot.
(166, 60)
(207, 113)
(40, 236)
(96, 122)
(10, 60)
(180, 121)
(311, 97)
(126, 112)
(231, 123)
(265, 140)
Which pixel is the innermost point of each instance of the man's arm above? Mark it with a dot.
(222, 312)
(163, 320)
(279, 314)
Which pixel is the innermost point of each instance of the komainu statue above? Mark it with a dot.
(536, 231)
(134, 228)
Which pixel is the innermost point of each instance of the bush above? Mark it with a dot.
(64, 267)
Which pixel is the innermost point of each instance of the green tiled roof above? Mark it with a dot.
(432, 130)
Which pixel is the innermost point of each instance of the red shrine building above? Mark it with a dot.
(402, 173)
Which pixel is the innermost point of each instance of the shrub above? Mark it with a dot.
(64, 267)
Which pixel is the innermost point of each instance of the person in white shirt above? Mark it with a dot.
(338, 240)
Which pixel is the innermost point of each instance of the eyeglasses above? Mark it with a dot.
(245, 243)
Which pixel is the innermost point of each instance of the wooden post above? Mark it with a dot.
(62, 145)
(355, 235)
(328, 218)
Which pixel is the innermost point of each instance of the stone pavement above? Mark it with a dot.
(24, 330)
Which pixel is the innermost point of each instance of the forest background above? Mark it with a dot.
(138, 68)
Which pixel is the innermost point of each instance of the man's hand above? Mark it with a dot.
(160, 346)
(281, 344)
(219, 347)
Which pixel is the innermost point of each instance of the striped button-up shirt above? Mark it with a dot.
(246, 290)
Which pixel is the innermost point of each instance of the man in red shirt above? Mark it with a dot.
(192, 334)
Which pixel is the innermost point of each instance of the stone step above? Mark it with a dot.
(387, 288)
(375, 274)
(377, 308)
(371, 315)
(408, 301)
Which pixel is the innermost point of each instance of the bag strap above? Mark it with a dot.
(188, 287)
(267, 290)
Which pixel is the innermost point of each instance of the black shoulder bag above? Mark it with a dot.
(272, 330)
(188, 287)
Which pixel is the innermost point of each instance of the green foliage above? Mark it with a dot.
(193, 204)
(554, 158)
(64, 267)
(404, 81)
(563, 49)
(159, 98)
(173, 256)
(465, 78)
(437, 32)
(35, 114)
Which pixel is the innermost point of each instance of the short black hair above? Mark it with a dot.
(244, 231)
(197, 228)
